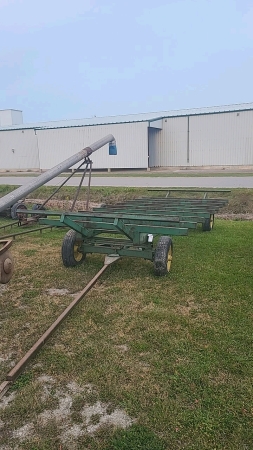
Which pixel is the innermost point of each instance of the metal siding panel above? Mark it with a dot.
(224, 139)
(25, 155)
(5, 118)
(156, 124)
(152, 145)
(16, 117)
(132, 144)
(171, 143)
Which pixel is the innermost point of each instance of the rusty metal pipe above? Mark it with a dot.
(13, 374)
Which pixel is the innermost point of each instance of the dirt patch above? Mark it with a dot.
(6, 400)
(71, 400)
(122, 348)
(186, 309)
(57, 291)
(23, 433)
(72, 433)
(232, 216)
(220, 379)
(65, 205)
(76, 389)
(3, 287)
(118, 418)
(59, 414)
(5, 358)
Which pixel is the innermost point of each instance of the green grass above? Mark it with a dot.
(23, 380)
(137, 437)
(174, 353)
(178, 173)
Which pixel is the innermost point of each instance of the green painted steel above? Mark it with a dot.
(187, 209)
(128, 228)
(132, 230)
(125, 251)
(189, 190)
(180, 213)
(136, 228)
(169, 201)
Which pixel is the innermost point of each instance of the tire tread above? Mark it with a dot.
(161, 255)
(68, 258)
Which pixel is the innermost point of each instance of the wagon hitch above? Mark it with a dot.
(109, 259)
(6, 261)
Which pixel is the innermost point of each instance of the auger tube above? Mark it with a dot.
(21, 192)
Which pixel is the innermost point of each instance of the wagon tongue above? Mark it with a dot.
(109, 259)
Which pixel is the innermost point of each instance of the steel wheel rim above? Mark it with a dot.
(169, 260)
(77, 255)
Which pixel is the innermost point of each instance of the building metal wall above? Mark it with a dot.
(195, 140)
(221, 139)
(16, 117)
(152, 145)
(204, 140)
(56, 145)
(170, 146)
(5, 118)
(18, 150)
(10, 117)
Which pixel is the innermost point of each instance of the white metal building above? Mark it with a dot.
(10, 117)
(217, 136)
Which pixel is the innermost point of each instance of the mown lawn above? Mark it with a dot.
(173, 353)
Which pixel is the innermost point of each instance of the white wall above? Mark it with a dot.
(18, 150)
(56, 145)
(10, 117)
(153, 145)
(5, 118)
(170, 143)
(222, 139)
(17, 117)
(214, 139)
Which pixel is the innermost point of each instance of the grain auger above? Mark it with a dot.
(13, 202)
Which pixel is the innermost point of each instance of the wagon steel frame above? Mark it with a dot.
(193, 210)
(135, 229)
(129, 228)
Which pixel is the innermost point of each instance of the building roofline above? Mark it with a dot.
(11, 109)
(131, 118)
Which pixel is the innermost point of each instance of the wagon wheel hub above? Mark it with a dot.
(7, 266)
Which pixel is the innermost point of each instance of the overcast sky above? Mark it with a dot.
(72, 59)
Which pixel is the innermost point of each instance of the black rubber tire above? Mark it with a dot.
(71, 257)
(208, 224)
(14, 208)
(39, 207)
(163, 256)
